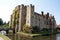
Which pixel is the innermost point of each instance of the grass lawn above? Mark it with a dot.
(40, 34)
(4, 37)
(28, 34)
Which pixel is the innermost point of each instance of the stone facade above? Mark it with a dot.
(25, 14)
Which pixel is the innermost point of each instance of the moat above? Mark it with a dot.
(18, 37)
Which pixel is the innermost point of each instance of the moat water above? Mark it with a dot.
(51, 37)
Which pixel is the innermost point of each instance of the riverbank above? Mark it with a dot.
(40, 34)
(28, 34)
(48, 33)
(44, 33)
(4, 37)
(25, 36)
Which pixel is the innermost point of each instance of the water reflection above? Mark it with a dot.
(18, 37)
(58, 37)
(52, 37)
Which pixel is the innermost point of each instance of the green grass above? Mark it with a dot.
(40, 34)
(28, 34)
(4, 37)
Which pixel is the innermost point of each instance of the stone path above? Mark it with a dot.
(1, 38)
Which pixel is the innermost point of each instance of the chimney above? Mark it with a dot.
(42, 13)
(22, 4)
(30, 4)
(47, 14)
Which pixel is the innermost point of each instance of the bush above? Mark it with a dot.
(5, 26)
(45, 29)
(27, 29)
(35, 29)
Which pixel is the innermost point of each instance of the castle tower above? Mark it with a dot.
(30, 15)
(22, 16)
(25, 14)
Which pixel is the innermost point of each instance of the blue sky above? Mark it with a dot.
(51, 6)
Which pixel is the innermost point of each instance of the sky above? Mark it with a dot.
(51, 6)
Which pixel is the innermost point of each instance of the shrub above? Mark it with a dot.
(35, 29)
(5, 26)
(45, 29)
(27, 29)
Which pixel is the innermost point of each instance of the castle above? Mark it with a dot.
(25, 14)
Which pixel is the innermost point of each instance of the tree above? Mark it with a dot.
(4, 23)
(1, 21)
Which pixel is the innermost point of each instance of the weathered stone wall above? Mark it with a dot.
(25, 14)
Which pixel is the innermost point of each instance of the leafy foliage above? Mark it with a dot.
(35, 29)
(44, 29)
(4, 23)
(1, 21)
(26, 28)
(6, 26)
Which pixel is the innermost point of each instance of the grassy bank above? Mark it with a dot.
(28, 34)
(4, 37)
(40, 34)
(48, 33)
